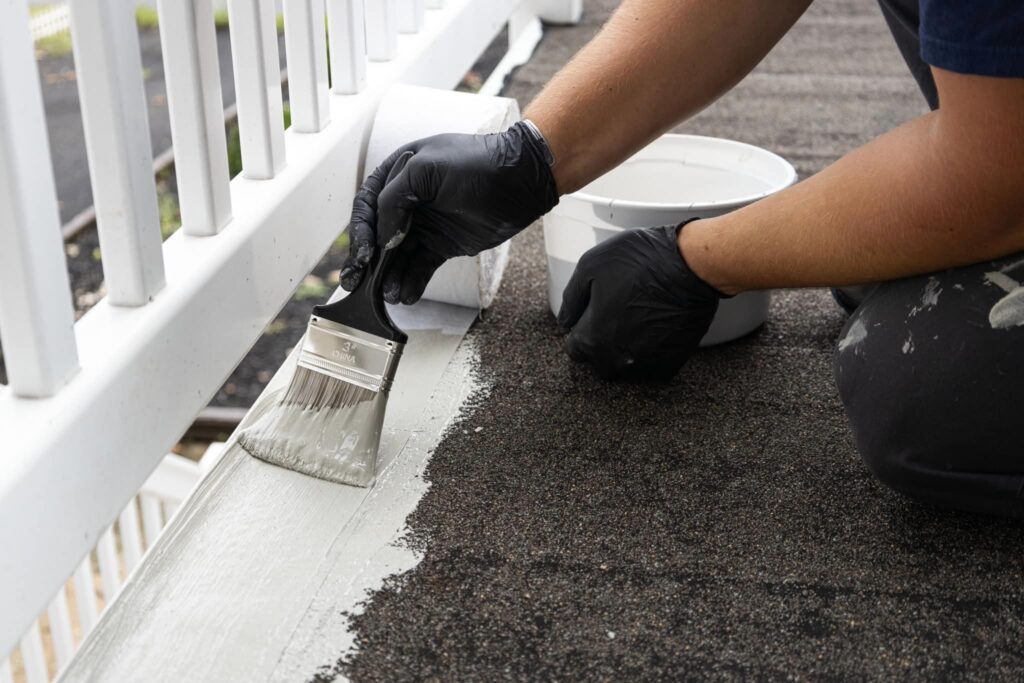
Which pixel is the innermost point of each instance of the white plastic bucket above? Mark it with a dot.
(675, 178)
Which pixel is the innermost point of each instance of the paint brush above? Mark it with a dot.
(328, 422)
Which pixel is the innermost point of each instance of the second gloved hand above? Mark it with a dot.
(634, 308)
(446, 196)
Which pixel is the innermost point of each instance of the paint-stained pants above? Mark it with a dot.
(931, 372)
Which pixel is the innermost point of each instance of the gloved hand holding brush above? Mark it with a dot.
(446, 196)
(635, 309)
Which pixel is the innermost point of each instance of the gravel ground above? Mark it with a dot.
(721, 526)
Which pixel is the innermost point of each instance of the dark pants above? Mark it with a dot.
(931, 372)
(931, 369)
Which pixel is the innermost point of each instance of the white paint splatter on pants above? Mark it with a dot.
(1008, 312)
(857, 333)
(908, 345)
(929, 298)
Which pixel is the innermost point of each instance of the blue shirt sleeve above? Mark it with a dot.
(982, 37)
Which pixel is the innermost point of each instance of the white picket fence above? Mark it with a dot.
(51, 641)
(93, 407)
(50, 21)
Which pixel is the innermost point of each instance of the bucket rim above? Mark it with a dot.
(788, 179)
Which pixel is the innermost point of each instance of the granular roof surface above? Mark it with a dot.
(719, 526)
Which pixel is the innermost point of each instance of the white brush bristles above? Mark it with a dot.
(312, 389)
(323, 427)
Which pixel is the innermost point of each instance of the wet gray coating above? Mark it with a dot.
(252, 578)
(335, 444)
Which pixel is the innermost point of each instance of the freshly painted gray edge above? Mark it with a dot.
(250, 579)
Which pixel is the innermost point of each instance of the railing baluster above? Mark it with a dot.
(257, 87)
(108, 66)
(306, 51)
(152, 522)
(85, 595)
(411, 15)
(106, 553)
(60, 628)
(382, 30)
(192, 71)
(36, 317)
(519, 23)
(214, 452)
(32, 656)
(131, 538)
(347, 35)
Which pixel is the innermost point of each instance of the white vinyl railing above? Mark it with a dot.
(92, 407)
(74, 610)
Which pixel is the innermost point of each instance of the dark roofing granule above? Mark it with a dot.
(720, 526)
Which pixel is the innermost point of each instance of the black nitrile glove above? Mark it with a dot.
(634, 309)
(445, 196)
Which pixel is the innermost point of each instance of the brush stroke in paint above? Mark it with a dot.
(252, 576)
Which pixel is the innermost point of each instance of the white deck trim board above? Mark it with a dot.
(73, 461)
(250, 575)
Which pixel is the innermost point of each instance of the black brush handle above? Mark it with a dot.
(364, 307)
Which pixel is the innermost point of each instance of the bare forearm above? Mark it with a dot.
(918, 199)
(655, 63)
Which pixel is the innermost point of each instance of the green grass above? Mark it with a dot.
(276, 326)
(146, 18)
(220, 20)
(170, 213)
(312, 287)
(55, 45)
(59, 44)
(235, 143)
(36, 10)
(234, 151)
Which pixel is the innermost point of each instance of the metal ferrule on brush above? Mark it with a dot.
(350, 355)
